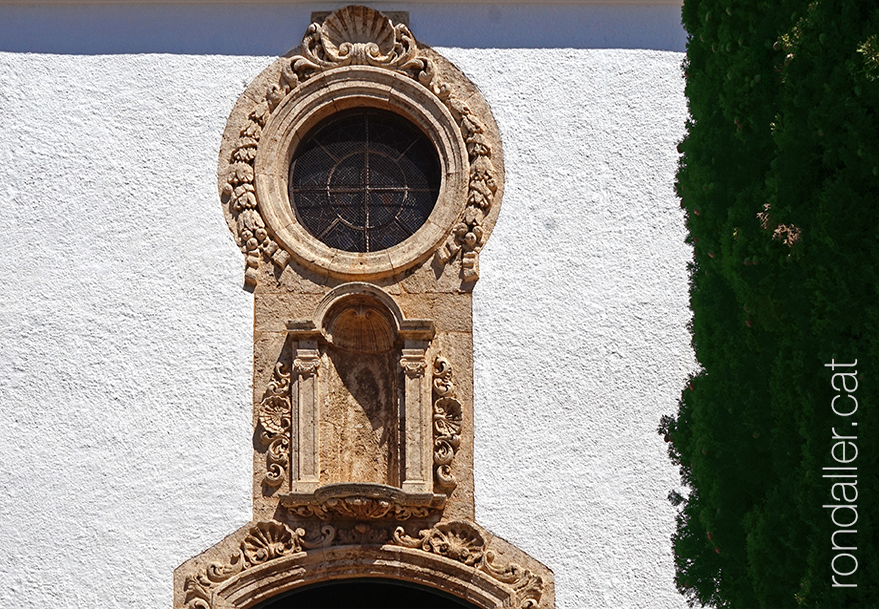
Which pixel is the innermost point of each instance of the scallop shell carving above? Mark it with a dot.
(274, 414)
(361, 329)
(268, 540)
(357, 25)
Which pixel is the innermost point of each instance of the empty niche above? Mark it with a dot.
(360, 426)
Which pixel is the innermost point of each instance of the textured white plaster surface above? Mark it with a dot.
(126, 337)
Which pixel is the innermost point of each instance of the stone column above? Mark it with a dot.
(305, 399)
(416, 410)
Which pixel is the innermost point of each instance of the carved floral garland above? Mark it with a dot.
(274, 416)
(336, 43)
(447, 421)
(455, 540)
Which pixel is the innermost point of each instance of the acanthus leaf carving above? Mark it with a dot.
(447, 424)
(196, 594)
(325, 537)
(442, 377)
(412, 362)
(528, 586)
(461, 541)
(362, 533)
(457, 540)
(361, 508)
(362, 501)
(275, 417)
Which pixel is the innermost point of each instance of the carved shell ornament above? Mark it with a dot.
(267, 541)
(361, 36)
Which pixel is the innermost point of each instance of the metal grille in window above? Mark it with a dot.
(364, 181)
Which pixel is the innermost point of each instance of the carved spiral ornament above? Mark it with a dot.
(274, 417)
(448, 416)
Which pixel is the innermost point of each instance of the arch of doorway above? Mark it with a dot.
(267, 559)
(365, 594)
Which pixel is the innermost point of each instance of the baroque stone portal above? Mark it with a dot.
(361, 176)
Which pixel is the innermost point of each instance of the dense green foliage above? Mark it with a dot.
(779, 177)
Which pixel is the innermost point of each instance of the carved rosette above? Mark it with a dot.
(454, 540)
(447, 422)
(274, 417)
(353, 36)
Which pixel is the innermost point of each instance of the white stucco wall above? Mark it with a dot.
(126, 338)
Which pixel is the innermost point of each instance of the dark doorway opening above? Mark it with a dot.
(365, 594)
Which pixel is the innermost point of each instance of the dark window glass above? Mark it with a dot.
(364, 180)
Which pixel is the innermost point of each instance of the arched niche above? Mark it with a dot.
(361, 404)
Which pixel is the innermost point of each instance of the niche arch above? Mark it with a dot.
(358, 353)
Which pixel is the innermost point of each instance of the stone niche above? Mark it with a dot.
(361, 175)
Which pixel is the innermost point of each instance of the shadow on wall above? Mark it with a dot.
(273, 29)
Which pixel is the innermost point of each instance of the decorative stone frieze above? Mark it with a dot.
(363, 502)
(459, 552)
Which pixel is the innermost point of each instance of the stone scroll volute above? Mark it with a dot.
(363, 358)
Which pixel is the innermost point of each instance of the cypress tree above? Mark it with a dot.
(779, 177)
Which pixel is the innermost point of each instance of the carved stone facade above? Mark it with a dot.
(363, 392)
(267, 558)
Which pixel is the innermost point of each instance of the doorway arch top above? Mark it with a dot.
(265, 559)
(365, 593)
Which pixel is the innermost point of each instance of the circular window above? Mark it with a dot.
(364, 180)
